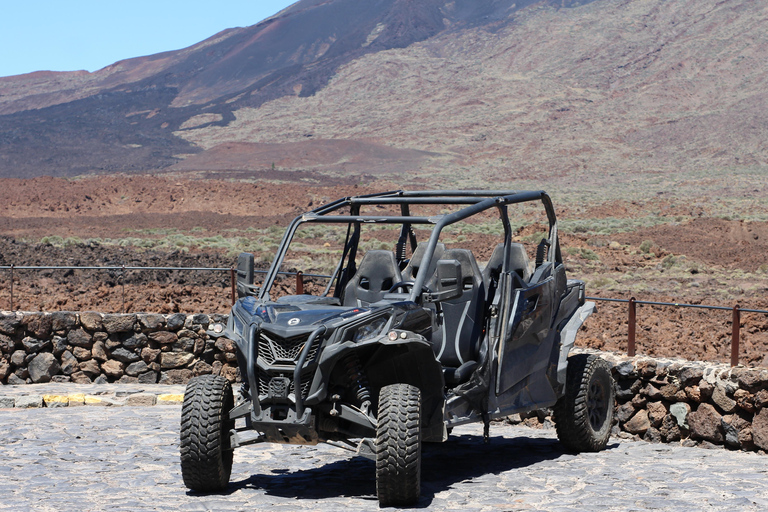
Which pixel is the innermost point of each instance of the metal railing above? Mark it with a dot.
(632, 303)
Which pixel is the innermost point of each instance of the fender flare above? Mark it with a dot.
(568, 337)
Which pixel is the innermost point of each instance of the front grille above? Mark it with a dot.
(286, 350)
(276, 353)
(265, 378)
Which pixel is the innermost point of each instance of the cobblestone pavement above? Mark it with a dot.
(126, 458)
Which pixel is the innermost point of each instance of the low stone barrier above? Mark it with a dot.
(659, 400)
(91, 347)
(688, 402)
(695, 403)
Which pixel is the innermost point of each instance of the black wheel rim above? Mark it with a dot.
(597, 404)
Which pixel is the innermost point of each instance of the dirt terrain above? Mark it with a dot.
(688, 256)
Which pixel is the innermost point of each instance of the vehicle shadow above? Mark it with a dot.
(443, 466)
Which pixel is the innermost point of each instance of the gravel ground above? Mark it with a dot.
(126, 458)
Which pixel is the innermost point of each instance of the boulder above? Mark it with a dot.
(646, 368)
(80, 378)
(176, 321)
(722, 401)
(705, 423)
(99, 351)
(15, 380)
(81, 353)
(639, 423)
(63, 320)
(80, 338)
(625, 368)
(175, 359)
(5, 369)
(10, 323)
(69, 363)
(148, 378)
(7, 345)
(38, 324)
(761, 398)
(138, 340)
(43, 367)
(151, 321)
(760, 429)
(744, 400)
(164, 337)
(656, 413)
(113, 369)
(230, 373)
(225, 345)
(175, 377)
(184, 344)
(91, 320)
(680, 411)
(670, 430)
(669, 392)
(59, 345)
(202, 368)
(18, 357)
(90, 368)
(34, 345)
(150, 355)
(652, 435)
(124, 355)
(114, 323)
(136, 368)
(751, 379)
(199, 346)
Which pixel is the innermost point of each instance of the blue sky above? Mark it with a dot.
(68, 35)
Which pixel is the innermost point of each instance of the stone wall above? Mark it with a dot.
(687, 402)
(92, 347)
(659, 400)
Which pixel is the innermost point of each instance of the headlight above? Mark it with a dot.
(370, 330)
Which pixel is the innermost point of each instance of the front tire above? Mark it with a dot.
(584, 415)
(206, 459)
(398, 445)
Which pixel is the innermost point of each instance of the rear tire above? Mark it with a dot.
(584, 415)
(206, 459)
(398, 445)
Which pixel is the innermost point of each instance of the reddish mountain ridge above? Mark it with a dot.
(498, 89)
(122, 117)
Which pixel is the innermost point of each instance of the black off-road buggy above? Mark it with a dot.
(404, 340)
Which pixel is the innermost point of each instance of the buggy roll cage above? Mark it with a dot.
(475, 201)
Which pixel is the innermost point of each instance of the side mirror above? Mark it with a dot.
(449, 281)
(245, 274)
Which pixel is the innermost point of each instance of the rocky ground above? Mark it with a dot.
(655, 249)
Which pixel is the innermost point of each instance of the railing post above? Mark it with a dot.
(122, 284)
(631, 327)
(12, 265)
(735, 335)
(232, 281)
(299, 283)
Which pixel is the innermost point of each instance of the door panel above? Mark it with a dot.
(525, 341)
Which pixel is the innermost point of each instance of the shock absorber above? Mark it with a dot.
(356, 376)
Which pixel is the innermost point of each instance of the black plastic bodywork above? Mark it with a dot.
(313, 367)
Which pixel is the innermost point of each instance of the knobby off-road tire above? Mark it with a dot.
(583, 416)
(206, 460)
(398, 445)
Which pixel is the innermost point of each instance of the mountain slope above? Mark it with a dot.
(617, 87)
(491, 90)
(122, 117)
